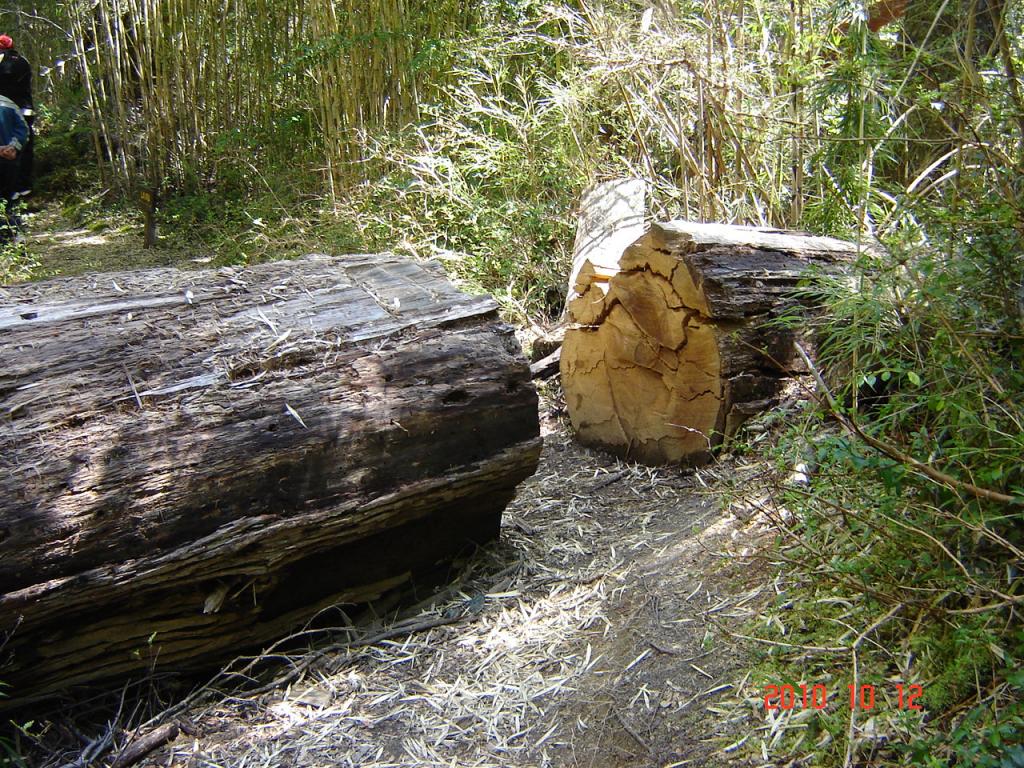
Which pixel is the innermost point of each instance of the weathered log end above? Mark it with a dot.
(669, 352)
(196, 463)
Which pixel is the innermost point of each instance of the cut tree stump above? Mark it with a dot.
(669, 352)
(195, 463)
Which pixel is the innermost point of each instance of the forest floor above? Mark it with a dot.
(598, 631)
(63, 248)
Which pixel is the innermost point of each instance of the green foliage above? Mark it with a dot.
(245, 228)
(492, 173)
(16, 263)
(64, 154)
(10, 756)
(918, 579)
(988, 736)
(925, 359)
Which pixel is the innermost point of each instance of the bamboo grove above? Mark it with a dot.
(754, 111)
(175, 88)
(172, 85)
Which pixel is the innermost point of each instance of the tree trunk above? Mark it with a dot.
(669, 354)
(611, 216)
(197, 462)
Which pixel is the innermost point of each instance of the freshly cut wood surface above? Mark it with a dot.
(671, 351)
(195, 462)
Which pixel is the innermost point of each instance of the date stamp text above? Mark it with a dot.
(863, 697)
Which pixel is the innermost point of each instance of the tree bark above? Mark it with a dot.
(673, 350)
(196, 462)
(611, 216)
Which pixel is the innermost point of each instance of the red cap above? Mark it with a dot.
(6, 42)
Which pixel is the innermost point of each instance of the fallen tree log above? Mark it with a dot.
(193, 463)
(611, 217)
(669, 352)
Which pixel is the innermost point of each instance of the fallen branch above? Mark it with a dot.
(546, 367)
(138, 749)
(851, 425)
(94, 749)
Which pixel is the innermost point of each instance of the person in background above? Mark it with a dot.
(13, 136)
(16, 85)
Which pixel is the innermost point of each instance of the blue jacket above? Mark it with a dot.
(13, 128)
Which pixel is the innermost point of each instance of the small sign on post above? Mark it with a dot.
(147, 198)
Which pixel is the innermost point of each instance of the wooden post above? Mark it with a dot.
(147, 198)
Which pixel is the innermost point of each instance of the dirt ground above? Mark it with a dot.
(62, 248)
(594, 633)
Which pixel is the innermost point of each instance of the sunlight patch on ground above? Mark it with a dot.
(62, 248)
(76, 238)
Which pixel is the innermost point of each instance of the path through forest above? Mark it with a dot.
(589, 637)
(65, 248)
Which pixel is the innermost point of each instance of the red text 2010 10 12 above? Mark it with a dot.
(782, 697)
